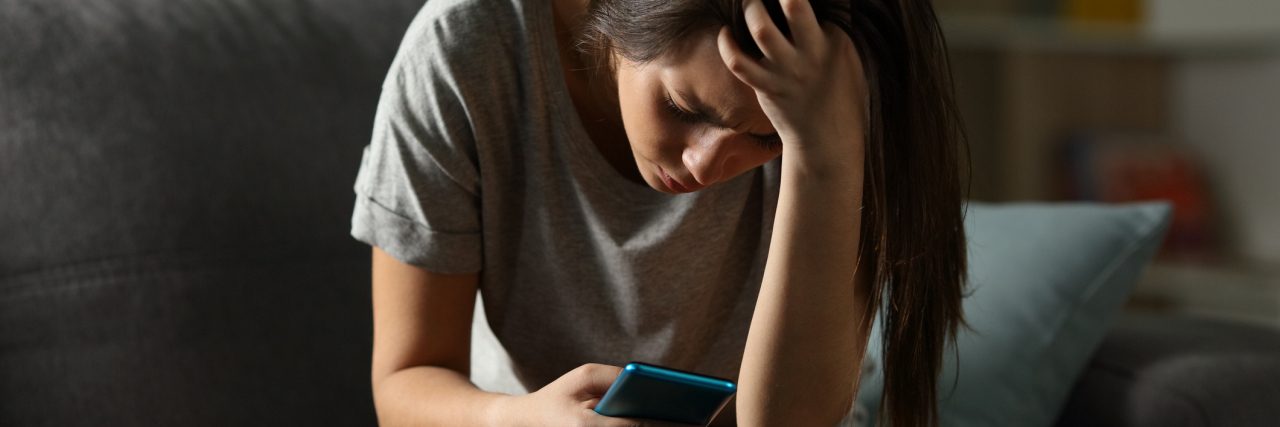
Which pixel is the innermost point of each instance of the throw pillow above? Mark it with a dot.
(1045, 281)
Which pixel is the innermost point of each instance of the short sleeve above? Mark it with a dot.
(418, 189)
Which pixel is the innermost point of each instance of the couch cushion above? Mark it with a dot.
(153, 126)
(1045, 280)
(187, 341)
(175, 191)
(1172, 371)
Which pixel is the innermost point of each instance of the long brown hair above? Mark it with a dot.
(913, 220)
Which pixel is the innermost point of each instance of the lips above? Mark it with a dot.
(672, 183)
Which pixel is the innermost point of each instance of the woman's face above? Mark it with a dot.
(690, 122)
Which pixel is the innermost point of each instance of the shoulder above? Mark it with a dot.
(466, 34)
(463, 19)
(473, 54)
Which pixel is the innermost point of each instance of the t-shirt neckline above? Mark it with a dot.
(582, 150)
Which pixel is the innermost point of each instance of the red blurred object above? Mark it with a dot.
(1117, 167)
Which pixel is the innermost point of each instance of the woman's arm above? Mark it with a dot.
(807, 335)
(422, 347)
(806, 342)
(422, 356)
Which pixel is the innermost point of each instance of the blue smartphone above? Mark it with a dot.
(654, 392)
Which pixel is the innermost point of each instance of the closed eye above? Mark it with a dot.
(770, 142)
(684, 115)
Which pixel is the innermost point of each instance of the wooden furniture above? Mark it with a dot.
(1024, 84)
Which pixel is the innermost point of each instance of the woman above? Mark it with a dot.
(804, 158)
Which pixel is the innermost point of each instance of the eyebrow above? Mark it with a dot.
(711, 115)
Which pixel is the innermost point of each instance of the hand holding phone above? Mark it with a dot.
(654, 392)
(569, 400)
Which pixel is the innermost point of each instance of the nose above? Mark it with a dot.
(708, 158)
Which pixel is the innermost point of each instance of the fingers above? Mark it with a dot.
(808, 40)
(593, 380)
(743, 66)
(805, 31)
(773, 44)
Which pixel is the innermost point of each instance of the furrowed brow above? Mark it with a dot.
(711, 115)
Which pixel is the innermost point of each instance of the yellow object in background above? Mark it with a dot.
(1119, 11)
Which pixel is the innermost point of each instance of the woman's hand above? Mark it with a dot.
(811, 87)
(569, 401)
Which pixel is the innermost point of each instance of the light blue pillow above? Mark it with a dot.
(1045, 281)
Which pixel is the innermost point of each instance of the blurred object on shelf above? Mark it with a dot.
(1119, 11)
(1182, 28)
(1118, 167)
(1125, 11)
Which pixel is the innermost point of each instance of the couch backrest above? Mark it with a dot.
(175, 195)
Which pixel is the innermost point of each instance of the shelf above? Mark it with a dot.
(1242, 292)
(1030, 34)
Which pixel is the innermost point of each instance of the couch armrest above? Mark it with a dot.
(1161, 370)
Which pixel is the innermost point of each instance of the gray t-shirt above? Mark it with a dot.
(479, 163)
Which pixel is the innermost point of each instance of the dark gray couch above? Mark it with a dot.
(175, 189)
(175, 195)
(1179, 372)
